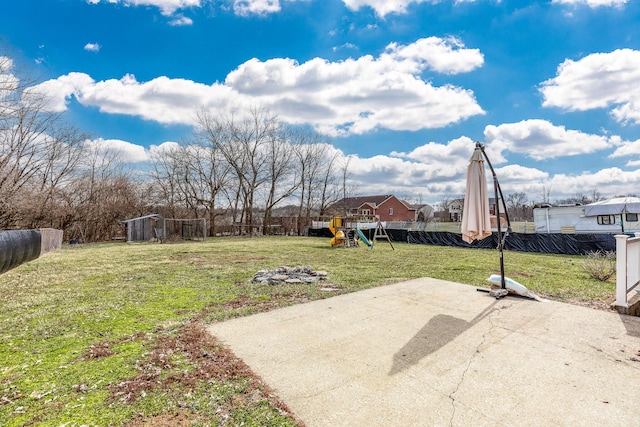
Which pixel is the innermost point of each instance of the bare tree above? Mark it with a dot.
(347, 189)
(62, 150)
(206, 176)
(281, 174)
(596, 196)
(165, 175)
(243, 143)
(545, 193)
(317, 168)
(331, 184)
(102, 196)
(38, 153)
(445, 201)
(516, 203)
(578, 199)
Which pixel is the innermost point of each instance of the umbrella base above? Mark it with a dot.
(498, 293)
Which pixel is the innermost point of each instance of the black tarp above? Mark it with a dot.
(552, 243)
(319, 232)
(548, 243)
(18, 247)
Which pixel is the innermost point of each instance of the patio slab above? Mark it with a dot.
(432, 352)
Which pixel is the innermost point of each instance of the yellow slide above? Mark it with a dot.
(338, 238)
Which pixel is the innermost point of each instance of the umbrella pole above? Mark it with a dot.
(498, 191)
(500, 246)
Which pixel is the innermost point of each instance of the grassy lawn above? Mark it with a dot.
(112, 334)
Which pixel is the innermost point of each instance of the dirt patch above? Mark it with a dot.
(105, 348)
(98, 351)
(241, 303)
(277, 300)
(595, 304)
(210, 362)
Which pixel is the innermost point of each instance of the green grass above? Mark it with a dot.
(95, 334)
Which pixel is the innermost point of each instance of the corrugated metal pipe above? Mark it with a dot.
(18, 247)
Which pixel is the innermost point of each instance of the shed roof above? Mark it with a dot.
(143, 217)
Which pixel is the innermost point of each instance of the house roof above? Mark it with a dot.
(355, 202)
(373, 201)
(369, 204)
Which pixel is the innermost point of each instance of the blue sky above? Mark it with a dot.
(404, 87)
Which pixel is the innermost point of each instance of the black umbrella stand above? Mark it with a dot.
(499, 293)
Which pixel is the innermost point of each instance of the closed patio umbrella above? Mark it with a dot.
(476, 223)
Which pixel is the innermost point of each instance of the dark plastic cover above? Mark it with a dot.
(18, 247)
(552, 243)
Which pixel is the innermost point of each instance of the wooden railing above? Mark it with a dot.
(627, 267)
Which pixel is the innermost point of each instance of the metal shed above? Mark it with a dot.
(144, 228)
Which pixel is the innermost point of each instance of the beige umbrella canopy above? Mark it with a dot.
(476, 223)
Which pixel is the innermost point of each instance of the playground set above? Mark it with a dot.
(347, 233)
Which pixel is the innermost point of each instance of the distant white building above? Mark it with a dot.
(618, 215)
(455, 210)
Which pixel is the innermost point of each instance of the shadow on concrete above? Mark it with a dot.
(631, 324)
(438, 332)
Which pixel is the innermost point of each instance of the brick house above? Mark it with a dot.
(386, 207)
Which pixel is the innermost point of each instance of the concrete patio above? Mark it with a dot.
(428, 352)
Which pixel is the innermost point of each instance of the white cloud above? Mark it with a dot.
(122, 150)
(633, 163)
(359, 95)
(92, 47)
(57, 92)
(384, 7)
(265, 7)
(599, 80)
(180, 21)
(627, 148)
(593, 3)
(518, 175)
(609, 182)
(406, 178)
(167, 7)
(443, 55)
(430, 182)
(434, 170)
(170, 101)
(255, 7)
(354, 96)
(344, 46)
(8, 81)
(539, 140)
(443, 160)
(165, 147)
(6, 64)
